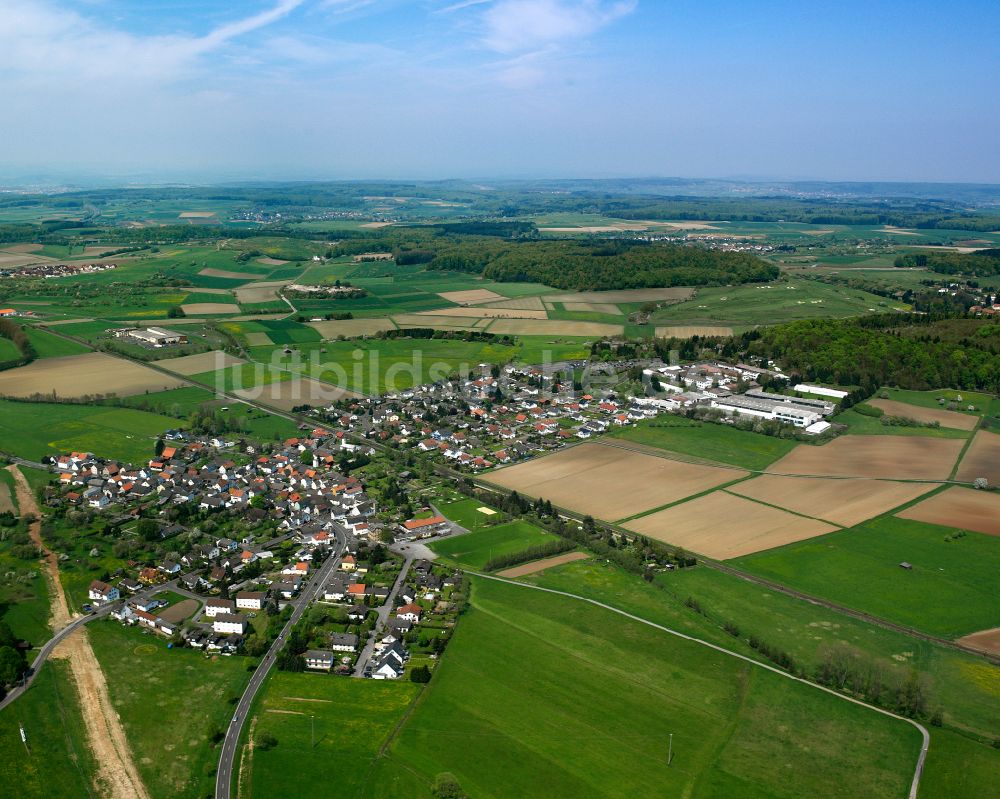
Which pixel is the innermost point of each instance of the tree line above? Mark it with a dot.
(983, 263)
(10, 329)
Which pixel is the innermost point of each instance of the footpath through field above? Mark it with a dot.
(925, 745)
(117, 776)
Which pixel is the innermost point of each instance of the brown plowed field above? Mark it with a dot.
(722, 526)
(77, 375)
(964, 508)
(982, 459)
(959, 421)
(351, 327)
(541, 565)
(844, 502)
(471, 296)
(610, 483)
(202, 362)
(286, 394)
(522, 304)
(205, 308)
(988, 640)
(889, 457)
(554, 327)
(482, 312)
(228, 274)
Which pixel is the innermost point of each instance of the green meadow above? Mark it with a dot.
(540, 695)
(55, 761)
(49, 345)
(32, 430)
(170, 701)
(322, 719)
(474, 550)
(950, 591)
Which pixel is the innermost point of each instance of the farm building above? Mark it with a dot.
(768, 409)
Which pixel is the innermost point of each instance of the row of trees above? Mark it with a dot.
(983, 263)
(10, 329)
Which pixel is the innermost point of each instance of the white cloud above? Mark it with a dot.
(519, 25)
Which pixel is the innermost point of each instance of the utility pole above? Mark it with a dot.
(670, 749)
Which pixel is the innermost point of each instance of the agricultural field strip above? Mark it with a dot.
(918, 770)
(673, 456)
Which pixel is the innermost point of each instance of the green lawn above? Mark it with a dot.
(465, 512)
(474, 550)
(539, 695)
(929, 399)
(32, 430)
(8, 350)
(960, 767)
(169, 701)
(951, 590)
(351, 720)
(56, 761)
(714, 442)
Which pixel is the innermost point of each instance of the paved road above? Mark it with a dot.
(227, 758)
(925, 745)
(383, 618)
(47, 648)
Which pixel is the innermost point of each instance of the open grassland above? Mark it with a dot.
(172, 709)
(949, 591)
(351, 719)
(714, 442)
(960, 767)
(8, 350)
(33, 430)
(202, 362)
(351, 327)
(843, 502)
(49, 345)
(624, 295)
(982, 459)
(722, 526)
(772, 303)
(933, 399)
(55, 762)
(962, 508)
(888, 457)
(960, 421)
(608, 482)
(502, 691)
(965, 687)
(474, 550)
(81, 375)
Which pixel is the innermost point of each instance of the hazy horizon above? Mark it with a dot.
(509, 89)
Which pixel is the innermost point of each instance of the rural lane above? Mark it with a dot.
(383, 618)
(227, 757)
(925, 745)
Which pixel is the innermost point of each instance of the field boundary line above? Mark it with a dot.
(918, 771)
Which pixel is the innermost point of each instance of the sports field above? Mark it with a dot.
(79, 375)
(889, 457)
(33, 430)
(526, 728)
(721, 525)
(843, 502)
(963, 508)
(950, 589)
(609, 483)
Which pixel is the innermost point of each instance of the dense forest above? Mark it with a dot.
(909, 351)
(983, 263)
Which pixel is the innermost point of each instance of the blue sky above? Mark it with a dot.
(501, 88)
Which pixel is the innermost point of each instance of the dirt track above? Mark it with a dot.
(117, 776)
